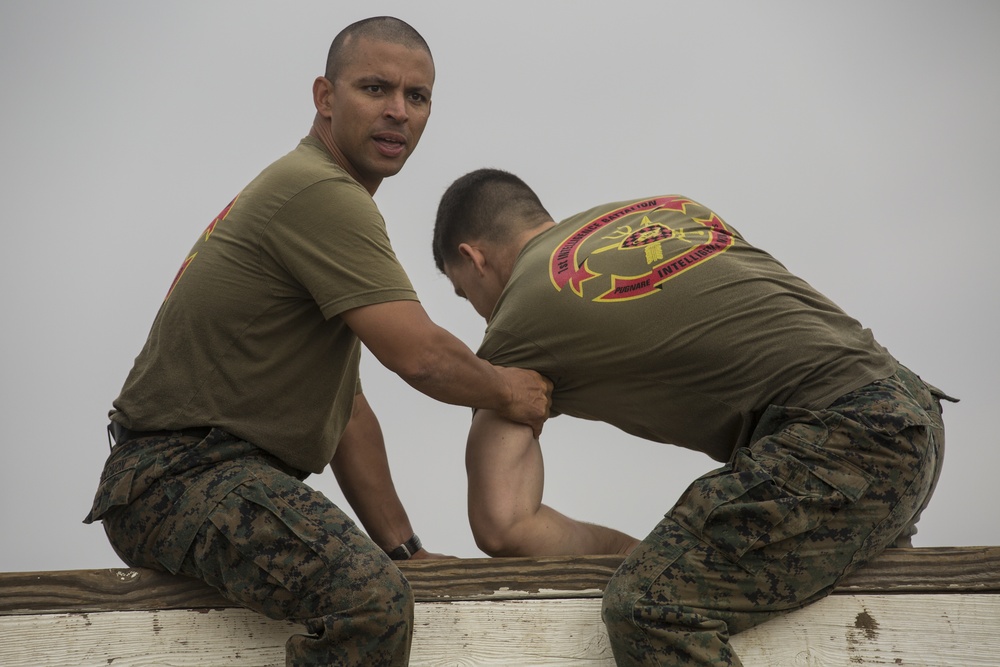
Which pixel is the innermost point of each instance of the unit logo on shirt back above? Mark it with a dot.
(207, 234)
(638, 227)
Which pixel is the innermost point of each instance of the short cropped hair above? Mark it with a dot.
(378, 28)
(484, 205)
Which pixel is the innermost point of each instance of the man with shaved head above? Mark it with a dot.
(249, 379)
(654, 315)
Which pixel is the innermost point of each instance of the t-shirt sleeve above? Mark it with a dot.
(332, 240)
(504, 348)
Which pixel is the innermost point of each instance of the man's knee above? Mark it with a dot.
(618, 603)
(392, 593)
(364, 621)
(364, 585)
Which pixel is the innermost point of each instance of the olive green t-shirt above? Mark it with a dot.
(249, 338)
(656, 316)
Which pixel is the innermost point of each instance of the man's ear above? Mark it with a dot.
(322, 89)
(475, 255)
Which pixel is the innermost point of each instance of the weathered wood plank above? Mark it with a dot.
(84, 591)
(509, 578)
(542, 633)
(925, 630)
(930, 630)
(946, 569)
(451, 579)
(929, 569)
(179, 638)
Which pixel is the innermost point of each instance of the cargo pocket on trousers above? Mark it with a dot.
(189, 512)
(115, 487)
(297, 552)
(774, 493)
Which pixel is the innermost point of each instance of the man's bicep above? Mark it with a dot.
(505, 472)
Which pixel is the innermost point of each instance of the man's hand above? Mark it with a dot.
(628, 545)
(531, 398)
(423, 554)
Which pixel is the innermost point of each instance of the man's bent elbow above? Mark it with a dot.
(417, 368)
(414, 373)
(496, 539)
(497, 547)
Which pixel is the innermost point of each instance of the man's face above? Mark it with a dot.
(474, 283)
(378, 107)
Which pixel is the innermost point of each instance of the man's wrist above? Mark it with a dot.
(506, 391)
(406, 550)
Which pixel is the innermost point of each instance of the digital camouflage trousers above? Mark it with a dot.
(224, 511)
(814, 496)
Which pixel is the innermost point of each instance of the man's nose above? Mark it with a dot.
(395, 107)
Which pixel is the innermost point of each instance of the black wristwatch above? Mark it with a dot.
(405, 550)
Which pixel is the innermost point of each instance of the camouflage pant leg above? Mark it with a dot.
(227, 514)
(815, 496)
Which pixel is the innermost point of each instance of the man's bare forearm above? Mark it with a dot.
(551, 533)
(433, 361)
(362, 471)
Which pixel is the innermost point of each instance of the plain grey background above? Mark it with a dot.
(855, 141)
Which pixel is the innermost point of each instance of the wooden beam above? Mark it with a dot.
(931, 607)
(947, 570)
(76, 591)
(928, 569)
(925, 630)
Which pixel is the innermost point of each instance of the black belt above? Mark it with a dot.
(118, 434)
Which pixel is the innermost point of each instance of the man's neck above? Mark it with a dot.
(320, 131)
(524, 237)
(517, 245)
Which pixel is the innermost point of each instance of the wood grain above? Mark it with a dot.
(929, 630)
(950, 570)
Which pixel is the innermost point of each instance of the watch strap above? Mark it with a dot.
(406, 550)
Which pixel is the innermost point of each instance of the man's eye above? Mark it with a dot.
(374, 88)
(418, 98)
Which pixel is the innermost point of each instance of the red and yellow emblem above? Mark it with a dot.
(207, 233)
(692, 247)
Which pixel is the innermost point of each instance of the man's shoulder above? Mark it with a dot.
(309, 162)
(309, 175)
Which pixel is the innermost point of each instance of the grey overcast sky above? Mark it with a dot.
(855, 141)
